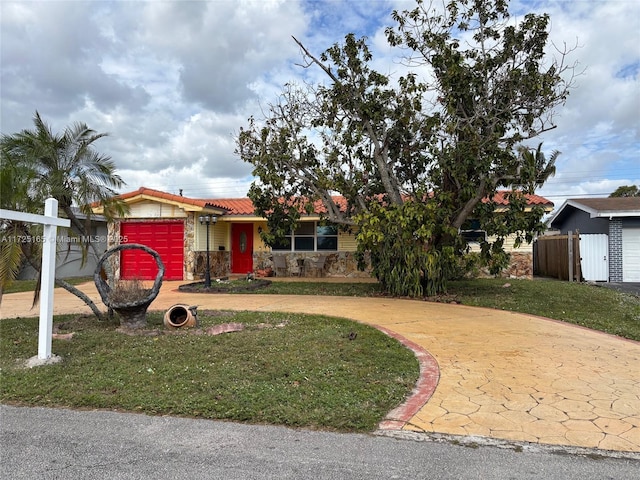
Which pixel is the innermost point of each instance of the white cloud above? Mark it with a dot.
(173, 81)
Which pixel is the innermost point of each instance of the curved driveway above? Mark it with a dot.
(496, 374)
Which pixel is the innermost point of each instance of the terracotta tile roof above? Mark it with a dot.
(244, 206)
(165, 196)
(501, 198)
(340, 201)
(235, 206)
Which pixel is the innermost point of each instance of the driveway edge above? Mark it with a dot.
(397, 418)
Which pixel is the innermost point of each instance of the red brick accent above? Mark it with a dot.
(397, 418)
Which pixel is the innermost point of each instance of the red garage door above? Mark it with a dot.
(166, 238)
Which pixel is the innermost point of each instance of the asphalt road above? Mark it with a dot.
(39, 443)
(627, 287)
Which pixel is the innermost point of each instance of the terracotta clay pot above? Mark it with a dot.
(181, 316)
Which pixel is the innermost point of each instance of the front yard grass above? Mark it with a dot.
(583, 304)
(30, 285)
(284, 369)
(321, 288)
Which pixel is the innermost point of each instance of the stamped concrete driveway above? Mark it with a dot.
(487, 373)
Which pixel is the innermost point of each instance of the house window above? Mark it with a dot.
(304, 237)
(472, 233)
(310, 237)
(243, 242)
(473, 236)
(327, 237)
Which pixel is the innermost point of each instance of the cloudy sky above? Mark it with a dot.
(172, 82)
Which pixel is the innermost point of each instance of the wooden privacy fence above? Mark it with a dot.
(558, 256)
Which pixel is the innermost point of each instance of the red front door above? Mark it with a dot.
(242, 247)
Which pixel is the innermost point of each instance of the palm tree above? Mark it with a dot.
(14, 181)
(63, 166)
(534, 168)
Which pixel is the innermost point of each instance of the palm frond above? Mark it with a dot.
(10, 256)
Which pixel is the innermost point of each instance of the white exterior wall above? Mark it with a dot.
(149, 209)
(218, 236)
(509, 245)
(347, 242)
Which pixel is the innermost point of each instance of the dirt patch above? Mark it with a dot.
(214, 330)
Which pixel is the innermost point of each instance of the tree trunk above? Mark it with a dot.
(82, 296)
(67, 286)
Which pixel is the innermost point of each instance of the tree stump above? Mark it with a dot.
(133, 314)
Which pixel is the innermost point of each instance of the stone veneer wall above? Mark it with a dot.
(219, 264)
(521, 266)
(344, 264)
(338, 264)
(189, 264)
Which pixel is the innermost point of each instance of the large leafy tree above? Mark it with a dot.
(417, 157)
(38, 164)
(626, 191)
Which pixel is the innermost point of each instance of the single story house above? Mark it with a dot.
(176, 227)
(609, 230)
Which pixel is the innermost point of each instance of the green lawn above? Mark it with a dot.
(588, 305)
(584, 304)
(321, 288)
(308, 372)
(30, 285)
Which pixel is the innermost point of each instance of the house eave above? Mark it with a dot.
(187, 207)
(615, 214)
(592, 212)
(547, 208)
(258, 218)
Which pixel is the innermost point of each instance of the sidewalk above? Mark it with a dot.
(485, 372)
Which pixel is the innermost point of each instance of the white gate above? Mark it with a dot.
(594, 257)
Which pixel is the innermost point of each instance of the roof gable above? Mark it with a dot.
(186, 203)
(611, 207)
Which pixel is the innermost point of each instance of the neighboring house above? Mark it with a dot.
(69, 260)
(170, 224)
(609, 230)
